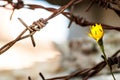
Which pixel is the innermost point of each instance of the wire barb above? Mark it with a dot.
(36, 26)
(88, 72)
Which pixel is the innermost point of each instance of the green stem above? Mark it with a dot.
(100, 42)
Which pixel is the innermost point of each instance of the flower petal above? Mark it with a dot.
(96, 32)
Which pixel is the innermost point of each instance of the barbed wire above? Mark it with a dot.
(88, 72)
(41, 23)
(36, 26)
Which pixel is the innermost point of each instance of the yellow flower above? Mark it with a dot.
(96, 32)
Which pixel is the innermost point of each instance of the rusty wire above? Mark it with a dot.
(84, 23)
(88, 72)
(111, 4)
(42, 22)
(39, 24)
(36, 26)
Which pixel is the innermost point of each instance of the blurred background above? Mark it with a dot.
(59, 50)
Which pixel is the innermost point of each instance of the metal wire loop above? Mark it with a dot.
(39, 24)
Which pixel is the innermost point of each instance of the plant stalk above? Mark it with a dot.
(100, 42)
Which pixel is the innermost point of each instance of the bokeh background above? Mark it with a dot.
(59, 50)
